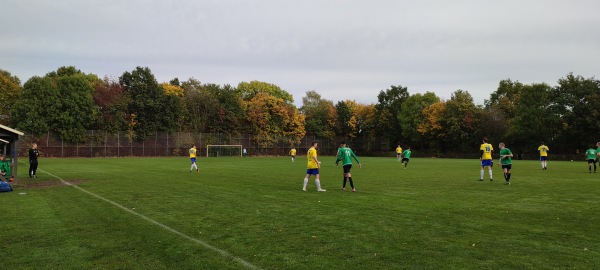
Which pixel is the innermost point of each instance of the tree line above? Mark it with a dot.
(67, 102)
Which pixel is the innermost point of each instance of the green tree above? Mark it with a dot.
(411, 115)
(232, 114)
(77, 111)
(32, 112)
(534, 119)
(320, 115)
(200, 104)
(344, 119)
(388, 108)
(505, 97)
(459, 121)
(149, 103)
(576, 100)
(60, 102)
(10, 92)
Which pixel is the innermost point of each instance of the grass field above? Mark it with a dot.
(152, 213)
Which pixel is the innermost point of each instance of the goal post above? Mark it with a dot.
(218, 150)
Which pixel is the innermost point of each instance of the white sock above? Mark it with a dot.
(318, 183)
(305, 182)
(481, 174)
(191, 167)
(490, 171)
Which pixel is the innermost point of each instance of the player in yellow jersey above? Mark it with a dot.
(193, 152)
(293, 154)
(398, 152)
(313, 167)
(487, 150)
(543, 149)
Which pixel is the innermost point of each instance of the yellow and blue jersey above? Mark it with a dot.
(543, 150)
(487, 150)
(192, 152)
(312, 153)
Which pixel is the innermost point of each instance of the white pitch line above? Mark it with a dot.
(195, 240)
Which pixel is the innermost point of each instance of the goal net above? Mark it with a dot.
(223, 150)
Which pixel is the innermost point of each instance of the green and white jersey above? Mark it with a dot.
(506, 160)
(591, 153)
(346, 154)
(406, 153)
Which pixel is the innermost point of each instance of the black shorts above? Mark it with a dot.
(590, 161)
(508, 166)
(404, 160)
(347, 168)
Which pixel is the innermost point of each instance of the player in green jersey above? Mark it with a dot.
(505, 161)
(591, 154)
(345, 154)
(406, 156)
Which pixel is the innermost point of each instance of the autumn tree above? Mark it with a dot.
(10, 92)
(112, 102)
(248, 90)
(431, 127)
(365, 124)
(272, 119)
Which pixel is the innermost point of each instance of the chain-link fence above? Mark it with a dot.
(103, 144)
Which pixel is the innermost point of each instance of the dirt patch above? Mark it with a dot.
(37, 184)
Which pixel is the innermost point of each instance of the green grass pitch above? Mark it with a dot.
(152, 213)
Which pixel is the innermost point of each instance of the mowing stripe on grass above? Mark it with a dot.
(195, 240)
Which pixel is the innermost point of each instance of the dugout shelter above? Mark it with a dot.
(9, 143)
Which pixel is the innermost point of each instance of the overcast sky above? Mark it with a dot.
(341, 49)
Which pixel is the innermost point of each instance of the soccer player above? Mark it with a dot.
(5, 170)
(506, 161)
(597, 151)
(293, 154)
(33, 160)
(543, 149)
(345, 154)
(313, 167)
(487, 150)
(398, 152)
(591, 154)
(193, 152)
(406, 156)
